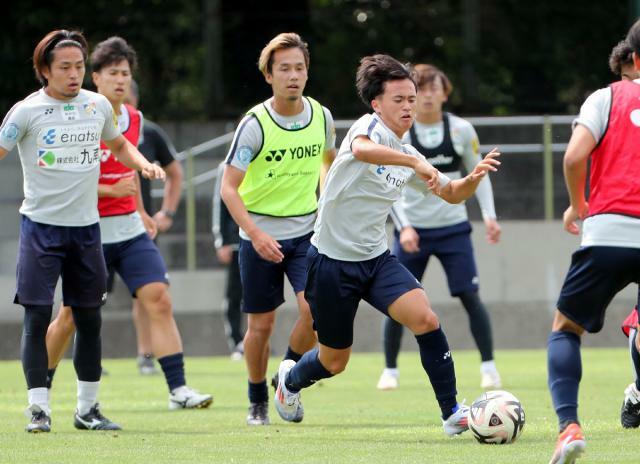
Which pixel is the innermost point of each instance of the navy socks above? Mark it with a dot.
(306, 372)
(565, 371)
(258, 392)
(438, 364)
(173, 368)
(392, 339)
(635, 358)
(290, 354)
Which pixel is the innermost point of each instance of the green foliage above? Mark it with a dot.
(347, 419)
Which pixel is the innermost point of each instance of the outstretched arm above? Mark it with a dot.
(129, 155)
(460, 189)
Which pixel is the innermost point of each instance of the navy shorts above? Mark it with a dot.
(596, 274)
(263, 281)
(334, 290)
(138, 262)
(452, 246)
(47, 252)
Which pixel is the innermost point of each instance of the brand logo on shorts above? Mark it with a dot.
(50, 137)
(104, 297)
(447, 355)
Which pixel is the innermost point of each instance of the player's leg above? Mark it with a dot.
(59, 336)
(232, 310)
(84, 279)
(392, 331)
(395, 291)
(333, 291)
(39, 265)
(262, 293)
(142, 324)
(143, 270)
(455, 252)
(630, 411)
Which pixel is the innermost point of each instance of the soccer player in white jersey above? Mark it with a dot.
(429, 226)
(58, 131)
(269, 187)
(606, 133)
(349, 260)
(128, 248)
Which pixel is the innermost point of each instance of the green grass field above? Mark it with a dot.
(347, 419)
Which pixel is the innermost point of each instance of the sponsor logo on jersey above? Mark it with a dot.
(46, 158)
(10, 132)
(82, 135)
(393, 176)
(69, 112)
(244, 155)
(295, 153)
(48, 111)
(90, 108)
(77, 158)
(440, 159)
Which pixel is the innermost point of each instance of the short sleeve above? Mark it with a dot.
(14, 127)
(330, 142)
(246, 144)
(110, 130)
(594, 113)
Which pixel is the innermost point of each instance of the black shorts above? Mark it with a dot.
(596, 274)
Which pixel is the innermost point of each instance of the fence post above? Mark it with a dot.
(547, 163)
(191, 214)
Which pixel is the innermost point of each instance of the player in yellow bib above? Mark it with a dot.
(270, 188)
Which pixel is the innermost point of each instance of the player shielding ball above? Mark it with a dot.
(349, 260)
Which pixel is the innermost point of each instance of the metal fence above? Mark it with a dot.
(541, 144)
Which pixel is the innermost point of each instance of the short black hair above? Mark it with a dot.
(622, 54)
(374, 71)
(113, 50)
(633, 37)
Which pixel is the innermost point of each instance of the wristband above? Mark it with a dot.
(169, 214)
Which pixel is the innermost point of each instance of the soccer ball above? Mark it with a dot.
(496, 417)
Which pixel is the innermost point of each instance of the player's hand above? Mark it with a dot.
(163, 221)
(429, 174)
(493, 230)
(125, 187)
(152, 171)
(267, 247)
(409, 240)
(488, 163)
(571, 215)
(224, 254)
(149, 225)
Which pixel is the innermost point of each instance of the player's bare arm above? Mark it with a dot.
(264, 244)
(580, 147)
(460, 189)
(129, 155)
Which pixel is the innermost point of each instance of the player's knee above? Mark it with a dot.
(260, 326)
(158, 304)
(426, 322)
(336, 366)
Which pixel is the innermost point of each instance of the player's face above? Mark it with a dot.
(431, 97)
(114, 81)
(65, 73)
(397, 105)
(628, 72)
(288, 74)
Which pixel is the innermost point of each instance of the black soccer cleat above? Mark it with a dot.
(40, 420)
(258, 413)
(94, 420)
(630, 412)
(274, 381)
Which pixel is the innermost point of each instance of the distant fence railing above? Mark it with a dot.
(547, 148)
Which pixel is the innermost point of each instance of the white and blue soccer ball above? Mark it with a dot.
(496, 417)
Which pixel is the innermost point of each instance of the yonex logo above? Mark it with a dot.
(50, 137)
(447, 355)
(275, 155)
(48, 111)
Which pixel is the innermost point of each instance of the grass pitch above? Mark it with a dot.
(347, 419)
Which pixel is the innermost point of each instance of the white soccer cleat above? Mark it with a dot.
(490, 380)
(287, 404)
(187, 398)
(388, 380)
(458, 422)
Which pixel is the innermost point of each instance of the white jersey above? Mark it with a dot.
(420, 210)
(357, 196)
(605, 229)
(59, 148)
(247, 142)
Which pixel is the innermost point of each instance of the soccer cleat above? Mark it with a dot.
(630, 413)
(274, 382)
(238, 352)
(287, 403)
(258, 414)
(387, 381)
(187, 398)
(146, 366)
(570, 445)
(458, 422)
(40, 420)
(93, 420)
(491, 381)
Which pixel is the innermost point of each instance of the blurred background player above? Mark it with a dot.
(156, 146)
(427, 225)
(226, 240)
(269, 186)
(58, 131)
(349, 259)
(606, 132)
(127, 246)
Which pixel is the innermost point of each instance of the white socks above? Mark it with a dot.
(488, 367)
(87, 396)
(39, 397)
(392, 372)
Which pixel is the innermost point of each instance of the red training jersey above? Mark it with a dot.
(112, 170)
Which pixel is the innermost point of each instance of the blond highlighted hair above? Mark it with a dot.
(281, 42)
(425, 74)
